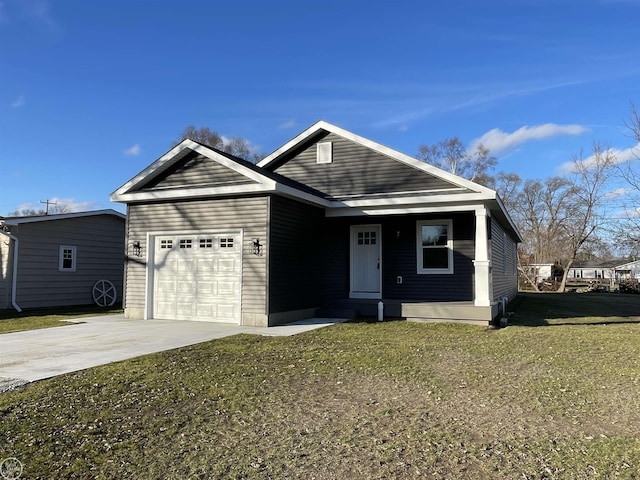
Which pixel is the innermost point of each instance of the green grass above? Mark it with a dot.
(11, 321)
(555, 395)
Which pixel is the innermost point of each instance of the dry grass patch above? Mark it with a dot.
(358, 400)
(12, 321)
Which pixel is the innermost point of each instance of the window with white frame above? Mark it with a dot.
(435, 246)
(67, 258)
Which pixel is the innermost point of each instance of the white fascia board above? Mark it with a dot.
(509, 219)
(402, 210)
(134, 197)
(303, 196)
(408, 201)
(401, 157)
(63, 216)
(292, 143)
(161, 164)
(176, 154)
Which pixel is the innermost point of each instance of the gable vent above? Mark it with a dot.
(324, 152)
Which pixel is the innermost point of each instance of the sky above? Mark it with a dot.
(92, 92)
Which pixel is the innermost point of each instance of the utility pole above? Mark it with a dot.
(46, 212)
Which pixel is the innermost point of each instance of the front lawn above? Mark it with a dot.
(552, 396)
(12, 321)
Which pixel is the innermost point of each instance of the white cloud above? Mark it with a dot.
(67, 205)
(19, 102)
(618, 156)
(498, 141)
(287, 124)
(618, 192)
(133, 150)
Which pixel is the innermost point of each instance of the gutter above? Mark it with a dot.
(14, 272)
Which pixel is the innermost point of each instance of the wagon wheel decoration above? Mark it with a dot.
(104, 293)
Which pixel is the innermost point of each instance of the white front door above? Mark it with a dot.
(366, 261)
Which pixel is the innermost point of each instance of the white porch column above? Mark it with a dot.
(482, 262)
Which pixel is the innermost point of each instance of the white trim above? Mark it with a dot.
(420, 270)
(133, 197)
(357, 294)
(74, 258)
(60, 216)
(482, 261)
(176, 154)
(413, 200)
(14, 271)
(400, 210)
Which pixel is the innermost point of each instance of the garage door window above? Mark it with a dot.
(185, 243)
(206, 243)
(166, 243)
(226, 243)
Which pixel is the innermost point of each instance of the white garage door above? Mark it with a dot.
(198, 277)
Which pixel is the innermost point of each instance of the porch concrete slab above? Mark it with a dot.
(38, 354)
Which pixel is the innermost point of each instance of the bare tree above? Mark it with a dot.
(452, 155)
(53, 209)
(235, 146)
(588, 182)
(539, 211)
(559, 215)
(629, 171)
(507, 186)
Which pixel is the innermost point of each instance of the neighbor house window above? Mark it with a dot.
(67, 259)
(435, 246)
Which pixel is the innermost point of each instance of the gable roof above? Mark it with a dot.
(437, 191)
(10, 221)
(284, 153)
(256, 180)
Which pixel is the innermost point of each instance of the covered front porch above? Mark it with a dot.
(412, 310)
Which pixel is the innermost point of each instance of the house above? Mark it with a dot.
(592, 270)
(537, 272)
(330, 224)
(61, 260)
(628, 270)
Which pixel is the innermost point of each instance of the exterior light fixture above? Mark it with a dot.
(137, 248)
(257, 247)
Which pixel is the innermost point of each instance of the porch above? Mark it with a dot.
(412, 310)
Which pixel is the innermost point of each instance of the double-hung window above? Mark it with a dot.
(67, 258)
(434, 246)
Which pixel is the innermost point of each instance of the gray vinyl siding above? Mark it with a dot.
(356, 170)
(295, 260)
(197, 170)
(5, 271)
(248, 214)
(399, 258)
(503, 263)
(99, 242)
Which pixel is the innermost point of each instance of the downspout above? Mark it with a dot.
(14, 272)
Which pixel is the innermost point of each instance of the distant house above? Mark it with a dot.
(538, 272)
(591, 270)
(61, 260)
(628, 270)
(330, 224)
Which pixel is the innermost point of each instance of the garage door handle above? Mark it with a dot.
(378, 264)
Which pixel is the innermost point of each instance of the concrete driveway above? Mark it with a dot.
(38, 354)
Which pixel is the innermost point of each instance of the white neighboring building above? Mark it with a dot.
(628, 270)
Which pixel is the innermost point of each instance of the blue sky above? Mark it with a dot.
(91, 92)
